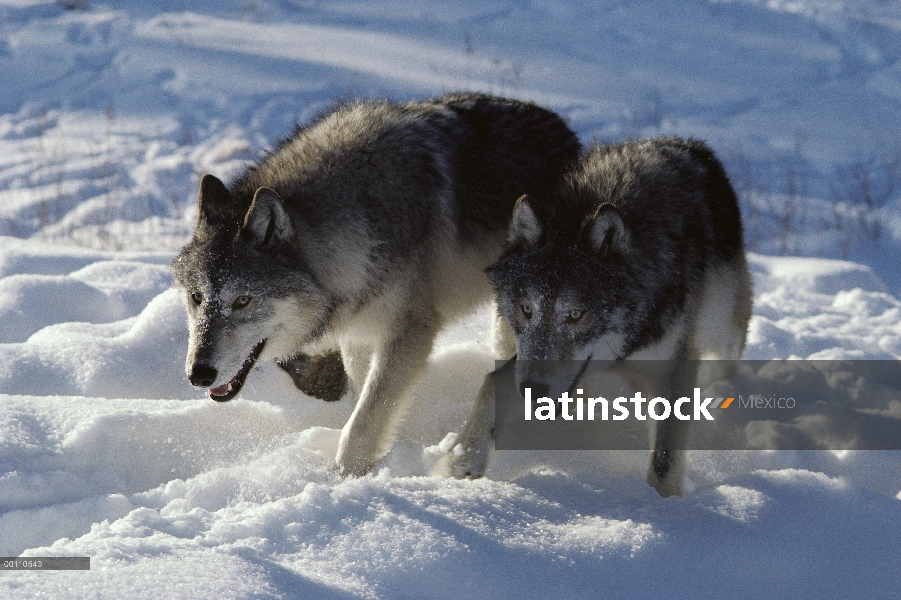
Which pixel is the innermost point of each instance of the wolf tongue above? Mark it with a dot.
(222, 389)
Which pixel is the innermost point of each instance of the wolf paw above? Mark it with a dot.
(353, 468)
(464, 461)
(665, 474)
(321, 377)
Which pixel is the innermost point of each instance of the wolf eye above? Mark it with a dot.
(240, 302)
(574, 315)
(526, 310)
(197, 298)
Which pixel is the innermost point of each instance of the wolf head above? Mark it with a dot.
(245, 287)
(567, 286)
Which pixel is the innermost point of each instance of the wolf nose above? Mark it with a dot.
(539, 390)
(202, 376)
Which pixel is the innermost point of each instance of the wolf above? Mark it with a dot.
(365, 232)
(637, 255)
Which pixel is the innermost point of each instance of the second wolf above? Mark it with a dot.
(366, 231)
(638, 254)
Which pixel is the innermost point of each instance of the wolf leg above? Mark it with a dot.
(393, 371)
(667, 466)
(720, 335)
(469, 456)
(357, 360)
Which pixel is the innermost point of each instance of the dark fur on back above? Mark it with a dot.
(496, 156)
(490, 144)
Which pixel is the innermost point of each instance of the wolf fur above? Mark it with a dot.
(366, 232)
(638, 254)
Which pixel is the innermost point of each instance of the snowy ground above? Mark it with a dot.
(108, 116)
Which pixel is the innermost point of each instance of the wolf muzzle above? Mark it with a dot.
(203, 375)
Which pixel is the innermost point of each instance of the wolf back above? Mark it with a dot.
(366, 231)
(638, 254)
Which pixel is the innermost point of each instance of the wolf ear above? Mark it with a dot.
(525, 226)
(212, 200)
(267, 221)
(607, 231)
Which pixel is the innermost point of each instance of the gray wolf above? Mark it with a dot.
(638, 254)
(365, 232)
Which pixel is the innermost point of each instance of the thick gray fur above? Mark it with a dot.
(638, 254)
(367, 232)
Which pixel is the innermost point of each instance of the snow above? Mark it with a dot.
(108, 116)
